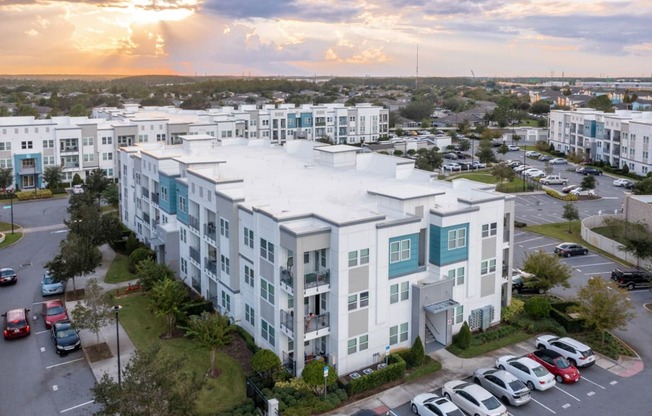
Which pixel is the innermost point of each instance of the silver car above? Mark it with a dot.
(503, 385)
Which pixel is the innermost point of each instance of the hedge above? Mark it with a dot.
(394, 371)
(557, 195)
(570, 324)
(39, 194)
(249, 340)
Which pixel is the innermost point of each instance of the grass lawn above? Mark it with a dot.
(10, 238)
(144, 329)
(509, 187)
(428, 367)
(118, 271)
(479, 349)
(478, 177)
(559, 231)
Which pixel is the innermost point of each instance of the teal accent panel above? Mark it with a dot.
(182, 192)
(38, 165)
(411, 265)
(589, 128)
(168, 182)
(292, 121)
(439, 254)
(306, 120)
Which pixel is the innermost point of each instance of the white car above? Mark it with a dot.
(582, 192)
(503, 385)
(473, 399)
(535, 173)
(452, 166)
(428, 404)
(513, 148)
(532, 153)
(521, 168)
(578, 354)
(527, 172)
(530, 372)
(558, 161)
(623, 182)
(77, 189)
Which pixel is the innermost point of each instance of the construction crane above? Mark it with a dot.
(473, 73)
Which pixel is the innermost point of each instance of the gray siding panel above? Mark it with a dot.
(266, 270)
(488, 248)
(358, 322)
(267, 312)
(487, 285)
(358, 279)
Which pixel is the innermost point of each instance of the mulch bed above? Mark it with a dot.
(98, 352)
(74, 295)
(238, 351)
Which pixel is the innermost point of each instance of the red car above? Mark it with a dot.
(16, 323)
(53, 311)
(558, 366)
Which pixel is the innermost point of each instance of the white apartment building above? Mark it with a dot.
(80, 144)
(322, 250)
(618, 139)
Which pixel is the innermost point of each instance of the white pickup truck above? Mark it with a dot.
(553, 180)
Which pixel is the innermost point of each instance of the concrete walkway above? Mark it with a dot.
(108, 333)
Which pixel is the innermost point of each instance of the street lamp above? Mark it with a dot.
(116, 309)
(11, 203)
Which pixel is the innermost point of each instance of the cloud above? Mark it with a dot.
(312, 10)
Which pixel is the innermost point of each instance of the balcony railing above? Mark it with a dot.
(145, 193)
(289, 363)
(210, 265)
(146, 218)
(315, 279)
(69, 149)
(316, 322)
(209, 231)
(155, 198)
(287, 280)
(193, 222)
(287, 321)
(194, 255)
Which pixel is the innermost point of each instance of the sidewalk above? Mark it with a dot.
(459, 368)
(108, 333)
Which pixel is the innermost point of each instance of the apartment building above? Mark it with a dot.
(322, 250)
(618, 139)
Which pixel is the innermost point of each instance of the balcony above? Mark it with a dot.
(28, 170)
(69, 149)
(316, 326)
(287, 280)
(320, 278)
(146, 218)
(287, 323)
(193, 222)
(209, 231)
(155, 198)
(289, 363)
(145, 193)
(210, 265)
(70, 165)
(194, 256)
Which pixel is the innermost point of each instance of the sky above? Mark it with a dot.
(376, 38)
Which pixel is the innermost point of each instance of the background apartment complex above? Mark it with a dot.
(322, 250)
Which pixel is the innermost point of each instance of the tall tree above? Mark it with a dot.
(429, 159)
(588, 182)
(485, 152)
(6, 178)
(643, 187)
(153, 384)
(53, 175)
(76, 258)
(548, 269)
(313, 375)
(602, 103)
(97, 182)
(503, 172)
(570, 214)
(149, 272)
(212, 331)
(503, 149)
(112, 195)
(95, 311)
(634, 237)
(604, 306)
(167, 296)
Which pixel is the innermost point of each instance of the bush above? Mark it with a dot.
(417, 353)
(137, 256)
(519, 224)
(494, 334)
(462, 339)
(537, 307)
(77, 180)
(265, 363)
(131, 244)
(568, 323)
(38, 194)
(394, 371)
(555, 194)
(513, 310)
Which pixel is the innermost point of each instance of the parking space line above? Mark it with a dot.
(591, 393)
(613, 383)
(566, 406)
(595, 384)
(594, 273)
(39, 303)
(567, 393)
(596, 264)
(46, 331)
(544, 406)
(64, 363)
(77, 407)
(545, 245)
(531, 239)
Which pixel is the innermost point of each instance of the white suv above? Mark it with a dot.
(580, 355)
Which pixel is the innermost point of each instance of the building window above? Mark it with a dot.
(226, 301)
(107, 140)
(488, 266)
(358, 300)
(457, 238)
(358, 258)
(48, 144)
(353, 258)
(184, 266)
(267, 291)
(249, 275)
(405, 291)
(267, 250)
(26, 145)
(399, 251)
(267, 332)
(353, 346)
(183, 235)
(364, 256)
(394, 293)
(250, 315)
(403, 334)
(399, 292)
(164, 193)
(322, 257)
(248, 237)
(183, 204)
(224, 228)
(459, 314)
(489, 230)
(89, 157)
(393, 335)
(87, 141)
(225, 264)
(457, 275)
(363, 342)
(107, 156)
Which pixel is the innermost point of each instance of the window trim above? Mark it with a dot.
(400, 250)
(455, 241)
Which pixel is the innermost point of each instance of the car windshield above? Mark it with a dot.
(48, 280)
(65, 333)
(491, 403)
(56, 310)
(7, 272)
(517, 385)
(539, 371)
(19, 323)
(562, 363)
(456, 412)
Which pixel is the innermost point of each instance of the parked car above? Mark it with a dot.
(49, 287)
(77, 189)
(465, 165)
(523, 285)
(582, 192)
(535, 173)
(8, 276)
(578, 354)
(591, 171)
(632, 279)
(545, 158)
(558, 161)
(428, 404)
(514, 163)
(553, 180)
(53, 311)
(513, 148)
(520, 168)
(451, 156)
(452, 167)
(16, 323)
(503, 385)
(625, 183)
(569, 188)
(478, 165)
(65, 336)
(558, 366)
(532, 153)
(579, 169)
(533, 374)
(570, 249)
(473, 399)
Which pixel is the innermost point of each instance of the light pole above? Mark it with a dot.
(11, 203)
(116, 309)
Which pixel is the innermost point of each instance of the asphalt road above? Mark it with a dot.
(35, 380)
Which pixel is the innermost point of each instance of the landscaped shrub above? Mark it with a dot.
(462, 339)
(512, 311)
(417, 354)
(519, 224)
(249, 340)
(266, 363)
(247, 408)
(570, 324)
(137, 256)
(131, 244)
(77, 180)
(537, 307)
(38, 194)
(494, 334)
(555, 194)
(394, 371)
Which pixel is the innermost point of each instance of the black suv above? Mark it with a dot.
(632, 279)
(591, 171)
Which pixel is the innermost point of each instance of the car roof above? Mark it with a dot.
(16, 314)
(549, 353)
(574, 343)
(55, 302)
(526, 361)
(475, 390)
